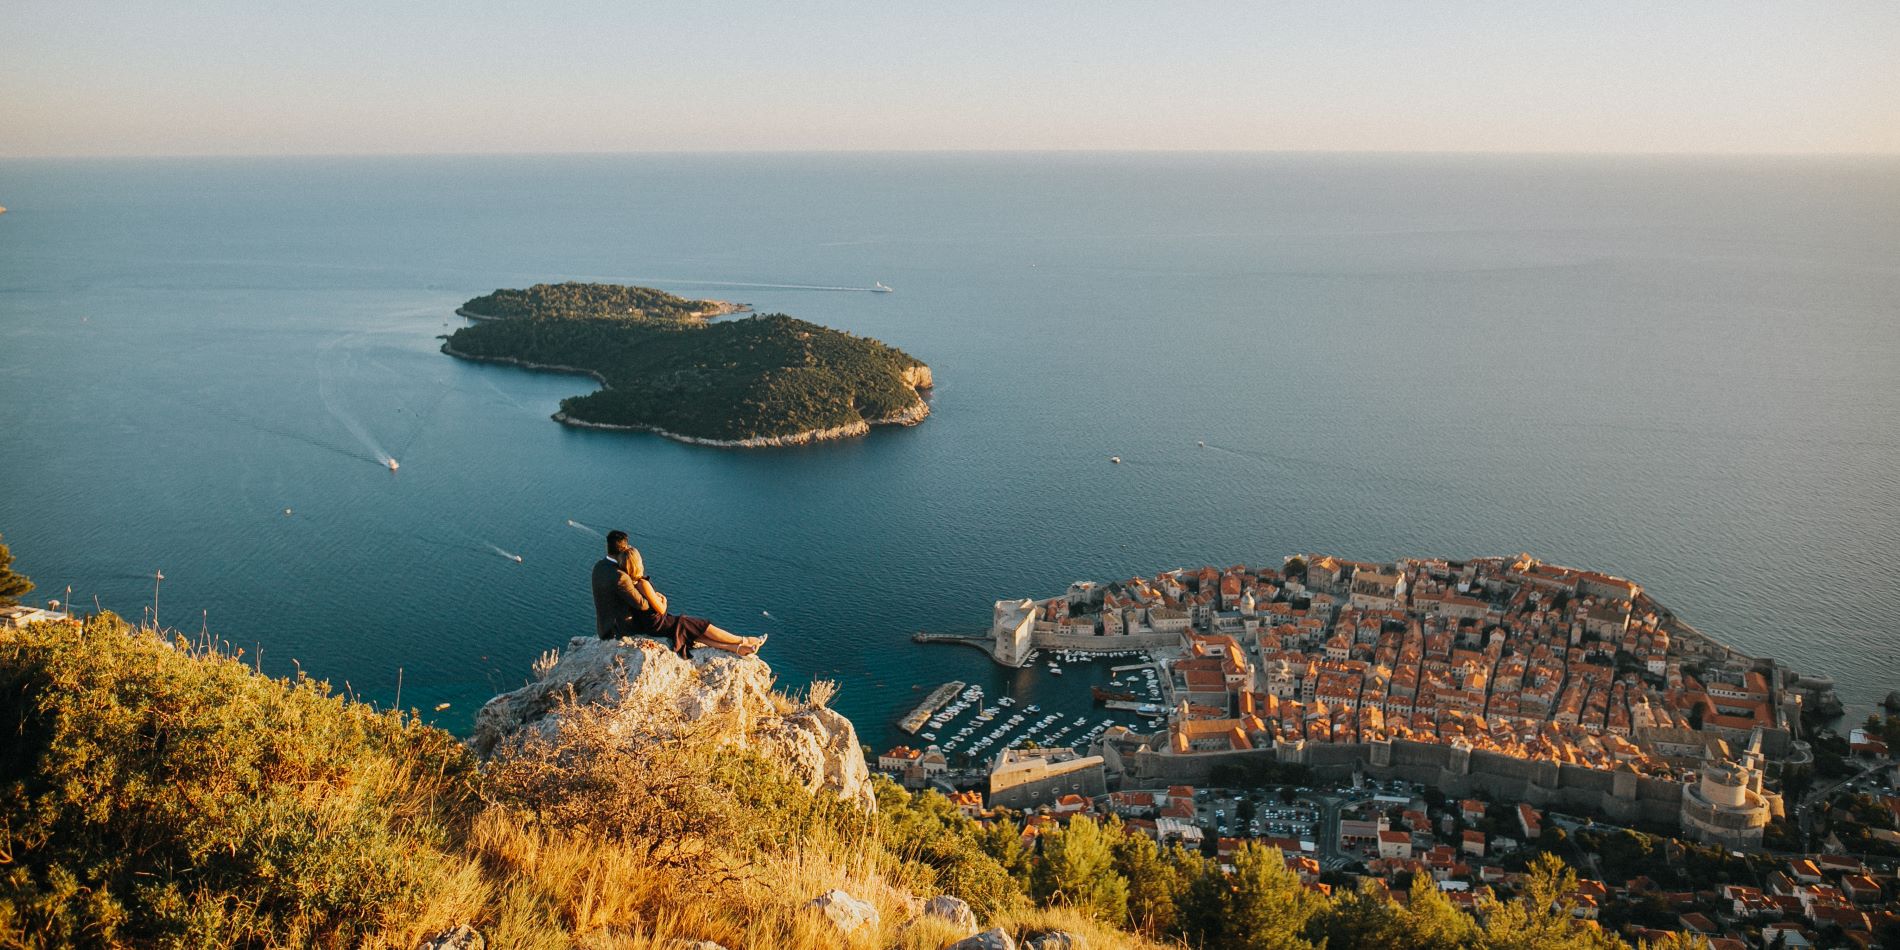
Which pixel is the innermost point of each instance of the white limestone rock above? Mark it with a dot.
(953, 909)
(997, 939)
(845, 912)
(643, 684)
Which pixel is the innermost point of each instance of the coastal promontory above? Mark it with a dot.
(665, 366)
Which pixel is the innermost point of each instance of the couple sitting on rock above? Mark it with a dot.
(626, 605)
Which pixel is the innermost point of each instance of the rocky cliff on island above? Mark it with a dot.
(664, 367)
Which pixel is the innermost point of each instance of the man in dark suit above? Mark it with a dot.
(617, 602)
(627, 605)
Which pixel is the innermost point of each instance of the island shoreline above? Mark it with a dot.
(849, 430)
(720, 308)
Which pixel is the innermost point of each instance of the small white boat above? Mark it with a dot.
(1115, 459)
(877, 287)
(1055, 671)
(392, 465)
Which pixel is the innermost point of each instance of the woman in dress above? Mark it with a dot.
(683, 630)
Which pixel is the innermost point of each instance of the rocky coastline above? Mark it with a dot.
(719, 308)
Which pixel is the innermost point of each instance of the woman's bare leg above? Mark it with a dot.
(731, 643)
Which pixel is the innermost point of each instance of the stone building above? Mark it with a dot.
(1026, 778)
(1727, 806)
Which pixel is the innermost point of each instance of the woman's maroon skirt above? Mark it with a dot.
(670, 626)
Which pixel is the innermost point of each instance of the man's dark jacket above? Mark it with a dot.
(615, 600)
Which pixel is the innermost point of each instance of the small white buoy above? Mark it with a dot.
(286, 512)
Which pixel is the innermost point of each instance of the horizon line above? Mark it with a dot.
(599, 153)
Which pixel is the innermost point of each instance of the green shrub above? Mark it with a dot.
(161, 794)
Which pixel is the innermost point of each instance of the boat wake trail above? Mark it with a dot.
(510, 555)
(423, 419)
(1240, 453)
(590, 530)
(251, 422)
(356, 428)
(512, 401)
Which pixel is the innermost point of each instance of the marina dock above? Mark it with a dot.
(931, 704)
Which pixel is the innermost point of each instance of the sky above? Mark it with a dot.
(239, 77)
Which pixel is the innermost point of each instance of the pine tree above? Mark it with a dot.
(1202, 906)
(1077, 869)
(1542, 918)
(11, 585)
(1152, 879)
(1430, 921)
(1267, 908)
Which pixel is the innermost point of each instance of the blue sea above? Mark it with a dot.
(1682, 370)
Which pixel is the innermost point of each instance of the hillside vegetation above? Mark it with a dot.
(762, 377)
(576, 300)
(162, 793)
(159, 793)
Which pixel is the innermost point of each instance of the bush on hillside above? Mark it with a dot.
(160, 793)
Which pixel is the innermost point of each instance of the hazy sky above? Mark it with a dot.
(125, 77)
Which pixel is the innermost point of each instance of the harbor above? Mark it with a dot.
(935, 701)
(1064, 698)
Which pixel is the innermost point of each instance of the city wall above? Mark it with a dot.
(1090, 643)
(1454, 770)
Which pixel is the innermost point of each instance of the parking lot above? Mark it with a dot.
(1260, 813)
(1312, 815)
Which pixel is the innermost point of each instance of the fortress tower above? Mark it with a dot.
(1013, 626)
(1727, 806)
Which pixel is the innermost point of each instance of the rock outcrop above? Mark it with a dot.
(987, 940)
(847, 913)
(1050, 940)
(953, 909)
(634, 679)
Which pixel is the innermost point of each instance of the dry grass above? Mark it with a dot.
(550, 889)
(283, 815)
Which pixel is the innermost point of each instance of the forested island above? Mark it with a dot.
(765, 380)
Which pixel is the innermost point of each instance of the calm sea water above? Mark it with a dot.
(1686, 371)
